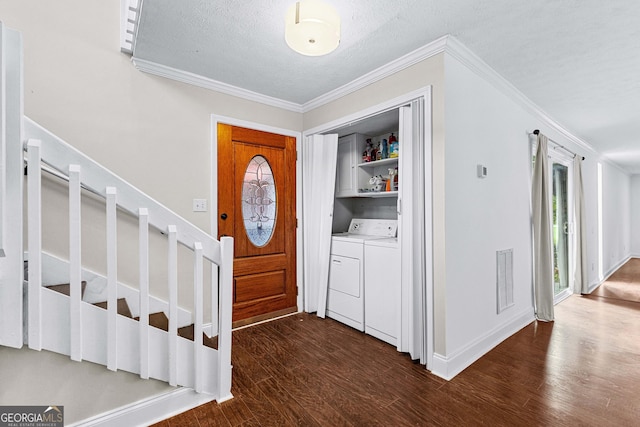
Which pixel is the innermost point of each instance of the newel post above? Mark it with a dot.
(226, 305)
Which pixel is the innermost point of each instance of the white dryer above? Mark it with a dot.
(345, 299)
(382, 289)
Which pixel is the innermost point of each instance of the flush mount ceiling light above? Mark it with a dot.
(312, 28)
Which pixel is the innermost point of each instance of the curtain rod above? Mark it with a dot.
(537, 131)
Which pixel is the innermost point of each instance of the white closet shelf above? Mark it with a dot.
(377, 163)
(378, 194)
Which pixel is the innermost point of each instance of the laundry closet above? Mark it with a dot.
(367, 235)
(364, 289)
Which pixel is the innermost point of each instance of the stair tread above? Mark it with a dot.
(65, 288)
(123, 307)
(157, 320)
(187, 332)
(161, 321)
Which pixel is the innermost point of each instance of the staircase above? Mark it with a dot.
(157, 320)
(125, 331)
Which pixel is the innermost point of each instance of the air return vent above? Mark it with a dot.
(504, 274)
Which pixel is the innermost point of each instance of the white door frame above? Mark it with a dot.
(217, 119)
(424, 93)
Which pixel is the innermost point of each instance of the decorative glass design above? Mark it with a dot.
(259, 201)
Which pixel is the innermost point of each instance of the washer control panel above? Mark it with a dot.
(374, 227)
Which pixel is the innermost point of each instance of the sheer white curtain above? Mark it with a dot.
(542, 239)
(581, 281)
(319, 175)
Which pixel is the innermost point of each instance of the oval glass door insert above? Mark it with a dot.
(259, 201)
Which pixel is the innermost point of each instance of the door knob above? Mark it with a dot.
(223, 216)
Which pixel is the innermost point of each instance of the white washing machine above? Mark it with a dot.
(345, 298)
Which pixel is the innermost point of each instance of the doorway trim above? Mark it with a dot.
(424, 93)
(213, 196)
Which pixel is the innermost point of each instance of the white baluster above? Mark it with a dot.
(173, 305)
(226, 304)
(75, 264)
(143, 238)
(215, 294)
(34, 223)
(112, 280)
(198, 313)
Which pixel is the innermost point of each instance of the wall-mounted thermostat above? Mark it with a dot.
(482, 171)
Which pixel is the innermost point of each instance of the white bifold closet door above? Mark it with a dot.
(414, 231)
(319, 159)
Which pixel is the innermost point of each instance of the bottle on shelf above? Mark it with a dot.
(366, 156)
(374, 153)
(394, 146)
(385, 149)
(395, 185)
(378, 152)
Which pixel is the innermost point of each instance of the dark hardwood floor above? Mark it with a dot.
(581, 370)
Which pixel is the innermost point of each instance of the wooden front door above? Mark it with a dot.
(257, 206)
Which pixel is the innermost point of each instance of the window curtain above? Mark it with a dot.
(581, 281)
(319, 174)
(542, 238)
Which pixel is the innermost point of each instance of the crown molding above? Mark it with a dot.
(206, 83)
(474, 63)
(427, 51)
(447, 44)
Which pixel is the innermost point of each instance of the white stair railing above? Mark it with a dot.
(83, 173)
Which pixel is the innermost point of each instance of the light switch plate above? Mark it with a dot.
(199, 205)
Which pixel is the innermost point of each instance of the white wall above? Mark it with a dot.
(485, 126)
(482, 126)
(616, 217)
(635, 216)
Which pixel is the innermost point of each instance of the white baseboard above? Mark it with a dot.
(593, 286)
(149, 411)
(616, 267)
(449, 366)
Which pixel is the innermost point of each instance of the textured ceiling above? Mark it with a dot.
(579, 60)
